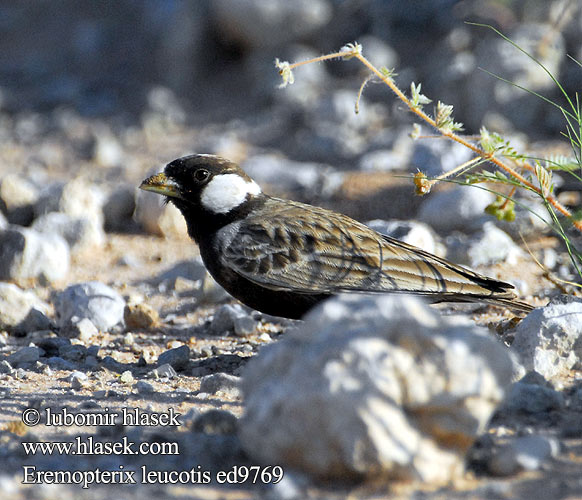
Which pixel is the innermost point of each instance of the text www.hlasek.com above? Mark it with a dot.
(89, 446)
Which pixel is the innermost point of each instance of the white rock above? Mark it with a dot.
(93, 300)
(461, 208)
(414, 233)
(524, 453)
(373, 385)
(157, 217)
(548, 340)
(485, 247)
(21, 311)
(79, 232)
(76, 198)
(26, 254)
(18, 195)
(266, 24)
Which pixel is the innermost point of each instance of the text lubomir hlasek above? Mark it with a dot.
(127, 416)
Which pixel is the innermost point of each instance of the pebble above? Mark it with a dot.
(532, 399)
(548, 341)
(126, 377)
(524, 453)
(21, 311)
(75, 353)
(79, 232)
(28, 354)
(78, 380)
(118, 209)
(157, 217)
(224, 318)
(5, 366)
(460, 208)
(163, 371)
(28, 254)
(383, 160)
(18, 196)
(144, 387)
(93, 300)
(434, 157)
(59, 363)
(192, 270)
(140, 316)
(76, 198)
(289, 176)
(218, 422)
(244, 326)
(221, 382)
(266, 25)
(414, 233)
(178, 357)
(484, 248)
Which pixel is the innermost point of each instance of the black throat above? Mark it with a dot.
(203, 223)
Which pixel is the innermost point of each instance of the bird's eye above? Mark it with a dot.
(201, 175)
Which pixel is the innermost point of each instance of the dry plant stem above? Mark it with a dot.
(451, 135)
(511, 193)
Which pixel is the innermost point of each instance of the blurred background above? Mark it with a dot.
(127, 85)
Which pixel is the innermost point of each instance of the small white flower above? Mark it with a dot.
(285, 72)
(350, 50)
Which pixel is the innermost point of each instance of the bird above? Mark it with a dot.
(282, 257)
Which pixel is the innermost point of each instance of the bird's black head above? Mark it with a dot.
(210, 191)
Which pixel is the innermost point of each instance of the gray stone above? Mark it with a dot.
(290, 176)
(21, 311)
(79, 232)
(531, 398)
(262, 24)
(119, 208)
(374, 386)
(112, 364)
(77, 198)
(27, 254)
(59, 363)
(222, 382)
(383, 160)
(459, 208)
(75, 353)
(217, 422)
(524, 453)
(93, 300)
(178, 357)
(414, 233)
(28, 354)
(548, 340)
(5, 366)
(434, 157)
(52, 345)
(163, 371)
(144, 387)
(193, 270)
(18, 196)
(78, 380)
(486, 247)
(244, 326)
(157, 217)
(82, 329)
(224, 318)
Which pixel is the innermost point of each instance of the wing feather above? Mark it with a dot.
(331, 253)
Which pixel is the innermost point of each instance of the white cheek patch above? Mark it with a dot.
(226, 192)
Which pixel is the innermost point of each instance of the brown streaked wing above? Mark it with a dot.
(332, 253)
